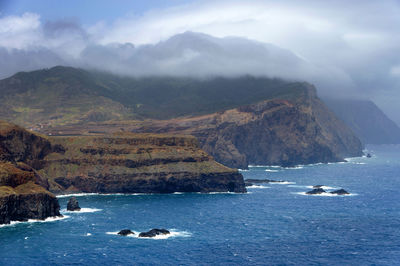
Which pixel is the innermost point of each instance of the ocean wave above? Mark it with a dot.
(83, 210)
(173, 233)
(222, 192)
(282, 183)
(257, 186)
(325, 194)
(294, 167)
(49, 219)
(323, 187)
(271, 170)
(101, 194)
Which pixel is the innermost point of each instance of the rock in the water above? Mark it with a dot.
(340, 192)
(369, 155)
(317, 186)
(316, 191)
(248, 184)
(154, 232)
(73, 205)
(126, 232)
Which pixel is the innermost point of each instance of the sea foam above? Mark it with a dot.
(83, 210)
(257, 186)
(49, 219)
(326, 194)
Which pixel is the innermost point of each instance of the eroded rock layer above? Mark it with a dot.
(136, 163)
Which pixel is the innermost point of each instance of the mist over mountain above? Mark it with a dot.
(343, 48)
(366, 120)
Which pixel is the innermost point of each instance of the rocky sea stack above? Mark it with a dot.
(154, 232)
(125, 232)
(73, 205)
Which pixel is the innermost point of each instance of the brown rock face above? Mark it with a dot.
(23, 193)
(136, 163)
(290, 128)
(287, 132)
(20, 145)
(27, 201)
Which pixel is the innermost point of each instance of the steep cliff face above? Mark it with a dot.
(23, 193)
(21, 198)
(20, 145)
(136, 163)
(287, 132)
(367, 121)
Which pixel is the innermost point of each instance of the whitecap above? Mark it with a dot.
(323, 187)
(222, 192)
(173, 233)
(270, 170)
(257, 186)
(282, 183)
(326, 194)
(49, 219)
(264, 166)
(294, 167)
(101, 194)
(83, 210)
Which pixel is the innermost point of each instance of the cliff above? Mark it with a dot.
(287, 132)
(23, 193)
(136, 163)
(289, 129)
(240, 120)
(21, 198)
(367, 121)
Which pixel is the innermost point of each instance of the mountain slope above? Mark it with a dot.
(56, 96)
(64, 95)
(291, 131)
(367, 121)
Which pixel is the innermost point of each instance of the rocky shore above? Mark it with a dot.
(31, 165)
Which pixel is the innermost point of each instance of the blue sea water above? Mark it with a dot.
(272, 224)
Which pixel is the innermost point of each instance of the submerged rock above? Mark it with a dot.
(73, 205)
(154, 232)
(316, 191)
(248, 184)
(340, 192)
(126, 232)
(369, 155)
(317, 186)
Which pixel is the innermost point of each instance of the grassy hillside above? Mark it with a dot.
(65, 95)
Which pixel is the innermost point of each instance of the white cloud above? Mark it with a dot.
(342, 46)
(395, 71)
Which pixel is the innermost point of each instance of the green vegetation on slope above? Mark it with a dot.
(65, 95)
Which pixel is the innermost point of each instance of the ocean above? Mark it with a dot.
(273, 224)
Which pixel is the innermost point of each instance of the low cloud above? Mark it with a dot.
(346, 48)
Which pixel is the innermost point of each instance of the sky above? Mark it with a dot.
(346, 48)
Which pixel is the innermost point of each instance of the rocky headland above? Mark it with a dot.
(23, 193)
(31, 165)
(136, 163)
(290, 129)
